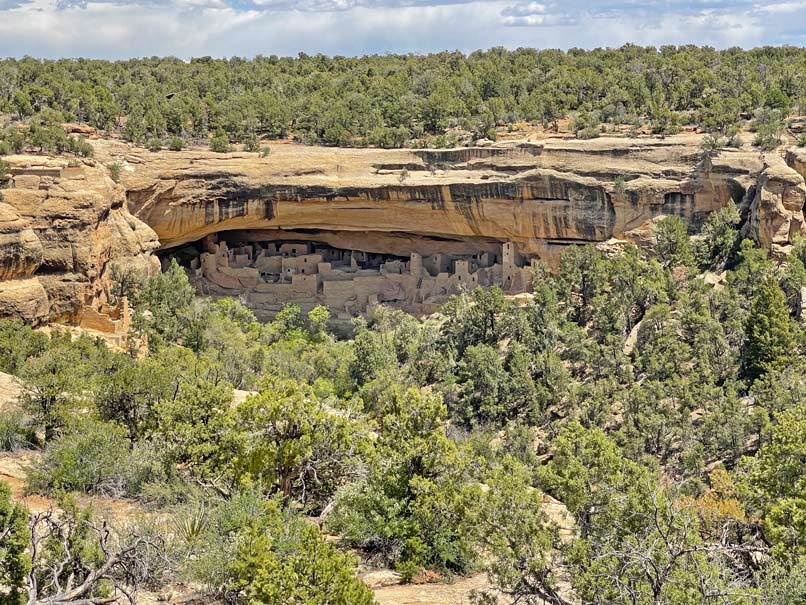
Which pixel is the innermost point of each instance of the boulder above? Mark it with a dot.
(776, 212)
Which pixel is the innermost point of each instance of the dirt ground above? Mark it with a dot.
(456, 593)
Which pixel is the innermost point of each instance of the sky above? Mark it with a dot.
(117, 29)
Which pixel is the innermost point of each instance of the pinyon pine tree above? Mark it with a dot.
(770, 339)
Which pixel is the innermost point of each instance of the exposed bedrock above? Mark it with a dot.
(776, 212)
(541, 197)
(61, 227)
(65, 224)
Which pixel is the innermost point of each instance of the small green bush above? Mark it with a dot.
(80, 146)
(15, 139)
(4, 174)
(14, 434)
(18, 342)
(265, 151)
(220, 143)
(14, 540)
(766, 141)
(96, 457)
(89, 458)
(250, 550)
(590, 132)
(154, 145)
(176, 144)
(251, 143)
(114, 171)
(801, 142)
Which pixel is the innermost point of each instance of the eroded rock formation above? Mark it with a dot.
(462, 204)
(776, 212)
(541, 197)
(62, 225)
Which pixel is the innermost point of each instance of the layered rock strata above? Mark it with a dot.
(540, 197)
(776, 211)
(464, 203)
(62, 226)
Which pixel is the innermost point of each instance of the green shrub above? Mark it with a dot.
(96, 457)
(801, 142)
(265, 151)
(251, 143)
(14, 434)
(247, 550)
(18, 342)
(154, 145)
(147, 466)
(11, 141)
(410, 511)
(14, 538)
(4, 173)
(170, 492)
(387, 137)
(80, 146)
(220, 143)
(176, 144)
(587, 125)
(591, 132)
(769, 126)
(14, 139)
(114, 171)
(720, 237)
(711, 143)
(306, 451)
(620, 185)
(89, 458)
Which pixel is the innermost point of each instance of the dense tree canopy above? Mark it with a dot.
(392, 100)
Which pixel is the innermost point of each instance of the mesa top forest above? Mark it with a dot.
(402, 100)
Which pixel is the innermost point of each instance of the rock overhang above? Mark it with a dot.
(68, 218)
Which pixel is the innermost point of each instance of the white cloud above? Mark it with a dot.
(186, 28)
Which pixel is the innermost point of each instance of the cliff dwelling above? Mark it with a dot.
(348, 228)
(267, 270)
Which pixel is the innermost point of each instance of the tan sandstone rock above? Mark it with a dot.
(64, 225)
(776, 213)
(539, 196)
(60, 226)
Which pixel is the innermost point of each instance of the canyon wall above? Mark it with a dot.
(541, 197)
(62, 226)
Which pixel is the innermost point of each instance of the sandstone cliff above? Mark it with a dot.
(539, 196)
(776, 212)
(60, 226)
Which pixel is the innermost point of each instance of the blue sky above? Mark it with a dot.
(185, 28)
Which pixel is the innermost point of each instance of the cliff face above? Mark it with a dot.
(776, 212)
(60, 226)
(541, 197)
